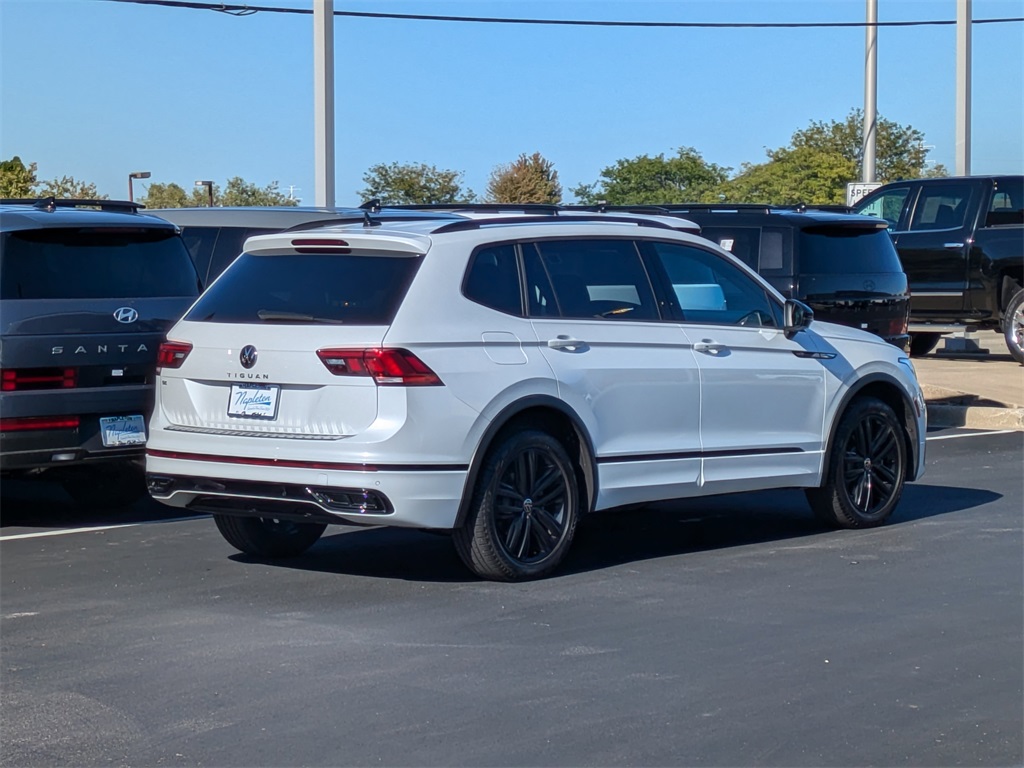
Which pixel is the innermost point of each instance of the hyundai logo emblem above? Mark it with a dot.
(248, 356)
(869, 285)
(125, 315)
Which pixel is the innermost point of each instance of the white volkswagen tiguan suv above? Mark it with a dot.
(500, 378)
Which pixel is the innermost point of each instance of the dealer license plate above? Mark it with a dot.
(254, 401)
(117, 431)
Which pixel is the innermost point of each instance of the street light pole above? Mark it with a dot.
(870, 92)
(136, 175)
(209, 190)
(963, 87)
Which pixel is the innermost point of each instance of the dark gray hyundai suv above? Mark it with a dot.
(88, 293)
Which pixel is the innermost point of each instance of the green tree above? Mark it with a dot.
(645, 180)
(240, 192)
(17, 180)
(68, 187)
(414, 183)
(822, 158)
(166, 196)
(530, 179)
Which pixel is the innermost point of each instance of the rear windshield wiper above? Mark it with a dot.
(296, 317)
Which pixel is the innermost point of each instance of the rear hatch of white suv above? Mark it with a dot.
(289, 347)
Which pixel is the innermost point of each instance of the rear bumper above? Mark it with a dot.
(25, 449)
(419, 497)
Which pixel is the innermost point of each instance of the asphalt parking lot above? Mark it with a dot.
(732, 631)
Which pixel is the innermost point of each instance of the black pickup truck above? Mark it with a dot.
(961, 242)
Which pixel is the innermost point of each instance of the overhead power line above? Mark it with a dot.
(247, 10)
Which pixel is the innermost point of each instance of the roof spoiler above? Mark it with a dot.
(53, 203)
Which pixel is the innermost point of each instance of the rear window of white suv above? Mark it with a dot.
(312, 287)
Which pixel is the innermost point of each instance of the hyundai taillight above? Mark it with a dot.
(39, 422)
(172, 354)
(387, 367)
(21, 379)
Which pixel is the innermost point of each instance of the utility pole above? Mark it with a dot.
(870, 93)
(963, 87)
(323, 97)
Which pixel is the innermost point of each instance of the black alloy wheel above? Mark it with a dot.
(524, 510)
(867, 468)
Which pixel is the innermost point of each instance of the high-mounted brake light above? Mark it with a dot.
(320, 245)
(387, 367)
(20, 379)
(172, 354)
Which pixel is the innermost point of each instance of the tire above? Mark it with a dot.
(1013, 326)
(524, 510)
(103, 486)
(923, 343)
(267, 537)
(867, 468)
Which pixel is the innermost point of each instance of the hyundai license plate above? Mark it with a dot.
(254, 401)
(117, 431)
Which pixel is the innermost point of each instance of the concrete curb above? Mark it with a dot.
(949, 408)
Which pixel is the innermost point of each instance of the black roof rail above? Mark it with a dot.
(534, 208)
(605, 208)
(52, 203)
(709, 207)
(458, 226)
(360, 218)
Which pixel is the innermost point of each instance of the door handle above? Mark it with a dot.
(709, 347)
(565, 342)
(953, 246)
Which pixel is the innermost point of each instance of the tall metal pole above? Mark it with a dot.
(963, 87)
(323, 96)
(870, 92)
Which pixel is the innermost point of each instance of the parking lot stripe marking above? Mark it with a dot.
(66, 531)
(972, 434)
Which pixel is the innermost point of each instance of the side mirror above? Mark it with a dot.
(796, 317)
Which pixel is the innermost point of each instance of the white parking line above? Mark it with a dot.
(971, 434)
(66, 531)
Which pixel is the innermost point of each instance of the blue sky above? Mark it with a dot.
(96, 90)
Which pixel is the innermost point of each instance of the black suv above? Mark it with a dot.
(843, 266)
(215, 236)
(89, 288)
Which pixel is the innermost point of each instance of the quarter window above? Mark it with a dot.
(493, 279)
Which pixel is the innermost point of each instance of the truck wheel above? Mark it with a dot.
(267, 536)
(923, 343)
(867, 468)
(1013, 326)
(524, 510)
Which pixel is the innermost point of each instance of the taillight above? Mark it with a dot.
(39, 422)
(20, 379)
(172, 354)
(388, 367)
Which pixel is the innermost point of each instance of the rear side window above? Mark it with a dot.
(1007, 205)
(836, 251)
(99, 263)
(764, 249)
(331, 288)
(941, 206)
(593, 279)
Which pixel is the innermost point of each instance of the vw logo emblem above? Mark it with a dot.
(248, 356)
(869, 285)
(125, 315)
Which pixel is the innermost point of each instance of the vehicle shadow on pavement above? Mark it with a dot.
(38, 503)
(615, 537)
